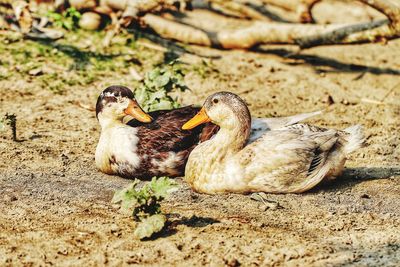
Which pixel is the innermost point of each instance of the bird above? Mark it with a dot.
(154, 144)
(286, 159)
(151, 144)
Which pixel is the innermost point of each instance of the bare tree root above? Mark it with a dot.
(304, 35)
(237, 9)
(305, 10)
(361, 33)
(132, 8)
(301, 7)
(173, 30)
(113, 29)
(289, 5)
(258, 33)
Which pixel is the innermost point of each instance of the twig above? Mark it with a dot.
(371, 101)
(384, 97)
(84, 106)
(152, 46)
(389, 92)
(237, 9)
(135, 74)
(11, 120)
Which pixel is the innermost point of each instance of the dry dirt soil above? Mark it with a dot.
(55, 206)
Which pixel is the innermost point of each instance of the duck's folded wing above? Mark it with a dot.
(259, 126)
(285, 161)
(164, 133)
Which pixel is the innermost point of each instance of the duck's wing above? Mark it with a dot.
(164, 133)
(287, 161)
(350, 139)
(162, 145)
(259, 126)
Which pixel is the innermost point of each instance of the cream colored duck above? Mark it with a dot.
(291, 159)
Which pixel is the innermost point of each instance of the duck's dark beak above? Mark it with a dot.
(200, 118)
(137, 112)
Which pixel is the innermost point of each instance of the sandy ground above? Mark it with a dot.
(56, 206)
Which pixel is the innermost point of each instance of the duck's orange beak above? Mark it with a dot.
(137, 112)
(200, 118)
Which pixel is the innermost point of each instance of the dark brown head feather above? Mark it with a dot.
(110, 94)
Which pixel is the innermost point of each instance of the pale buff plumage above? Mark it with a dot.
(290, 159)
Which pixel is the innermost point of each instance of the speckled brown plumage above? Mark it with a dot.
(164, 135)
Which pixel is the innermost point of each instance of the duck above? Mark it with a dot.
(150, 144)
(153, 144)
(289, 159)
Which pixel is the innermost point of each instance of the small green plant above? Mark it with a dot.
(69, 19)
(11, 120)
(153, 94)
(205, 68)
(145, 204)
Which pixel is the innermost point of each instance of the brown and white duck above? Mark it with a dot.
(154, 144)
(151, 144)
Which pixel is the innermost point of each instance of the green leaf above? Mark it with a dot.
(162, 104)
(152, 75)
(149, 226)
(144, 204)
(141, 95)
(162, 80)
(54, 15)
(127, 197)
(162, 187)
(153, 93)
(68, 24)
(68, 19)
(153, 97)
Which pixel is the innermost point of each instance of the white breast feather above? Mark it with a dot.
(124, 146)
(120, 143)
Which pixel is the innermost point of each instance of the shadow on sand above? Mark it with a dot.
(325, 64)
(353, 176)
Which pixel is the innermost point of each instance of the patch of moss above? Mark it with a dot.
(77, 59)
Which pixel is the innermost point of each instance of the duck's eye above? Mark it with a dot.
(215, 100)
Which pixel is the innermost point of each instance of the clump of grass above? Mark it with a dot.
(153, 94)
(205, 68)
(69, 19)
(145, 204)
(79, 60)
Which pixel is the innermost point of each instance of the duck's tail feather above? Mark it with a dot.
(301, 117)
(355, 139)
(279, 122)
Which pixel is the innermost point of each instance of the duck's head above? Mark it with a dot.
(115, 102)
(225, 109)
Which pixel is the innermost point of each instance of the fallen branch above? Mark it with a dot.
(304, 35)
(301, 7)
(236, 9)
(259, 32)
(361, 33)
